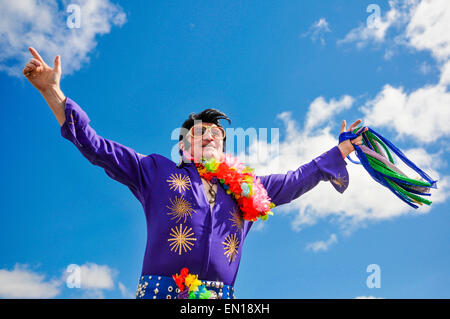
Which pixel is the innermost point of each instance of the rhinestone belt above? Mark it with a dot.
(162, 287)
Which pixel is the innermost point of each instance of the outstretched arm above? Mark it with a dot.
(329, 166)
(121, 163)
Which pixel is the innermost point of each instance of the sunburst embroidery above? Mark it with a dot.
(180, 208)
(182, 239)
(339, 180)
(179, 182)
(231, 246)
(237, 219)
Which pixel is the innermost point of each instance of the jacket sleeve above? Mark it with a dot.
(330, 166)
(121, 163)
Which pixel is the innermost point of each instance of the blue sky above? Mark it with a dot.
(252, 60)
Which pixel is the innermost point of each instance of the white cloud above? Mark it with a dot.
(42, 24)
(423, 114)
(420, 24)
(375, 29)
(322, 245)
(24, 283)
(445, 75)
(428, 28)
(362, 35)
(320, 110)
(94, 279)
(95, 276)
(125, 292)
(318, 30)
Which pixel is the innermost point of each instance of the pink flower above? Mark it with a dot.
(232, 161)
(261, 199)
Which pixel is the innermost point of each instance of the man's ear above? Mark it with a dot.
(181, 148)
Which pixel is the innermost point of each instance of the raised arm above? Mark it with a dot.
(121, 163)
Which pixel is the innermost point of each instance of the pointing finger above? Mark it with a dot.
(35, 54)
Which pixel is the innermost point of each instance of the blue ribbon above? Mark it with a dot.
(380, 177)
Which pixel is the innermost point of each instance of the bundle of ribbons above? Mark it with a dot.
(375, 155)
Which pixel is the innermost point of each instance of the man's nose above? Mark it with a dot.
(208, 136)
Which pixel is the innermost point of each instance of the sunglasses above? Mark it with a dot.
(200, 131)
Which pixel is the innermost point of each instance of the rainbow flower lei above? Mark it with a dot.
(239, 181)
(190, 287)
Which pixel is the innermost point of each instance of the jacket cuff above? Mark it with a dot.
(333, 167)
(76, 120)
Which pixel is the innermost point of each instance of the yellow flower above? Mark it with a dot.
(248, 179)
(247, 170)
(192, 282)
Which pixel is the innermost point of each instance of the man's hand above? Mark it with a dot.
(46, 80)
(42, 76)
(346, 146)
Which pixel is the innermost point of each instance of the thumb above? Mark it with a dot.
(57, 64)
(343, 125)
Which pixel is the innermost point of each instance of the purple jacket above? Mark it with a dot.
(182, 230)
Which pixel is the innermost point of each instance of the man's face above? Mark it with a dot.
(206, 141)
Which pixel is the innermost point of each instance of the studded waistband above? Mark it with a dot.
(162, 287)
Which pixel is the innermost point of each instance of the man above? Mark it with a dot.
(191, 222)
